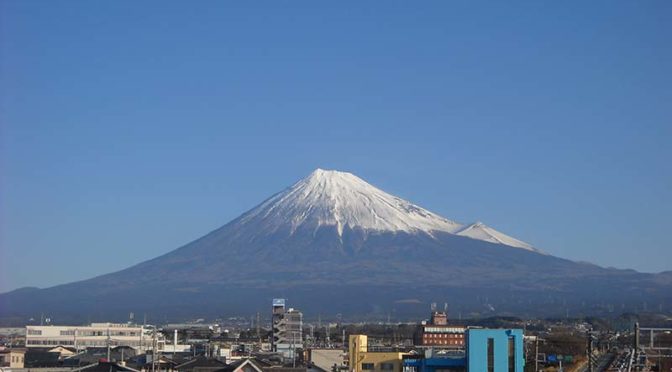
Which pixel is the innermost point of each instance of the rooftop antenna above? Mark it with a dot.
(433, 306)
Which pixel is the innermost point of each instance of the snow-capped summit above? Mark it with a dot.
(343, 200)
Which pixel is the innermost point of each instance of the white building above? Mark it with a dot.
(288, 333)
(94, 335)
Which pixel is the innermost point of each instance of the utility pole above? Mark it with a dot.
(154, 350)
(590, 351)
(293, 350)
(108, 344)
(536, 353)
(259, 326)
(636, 339)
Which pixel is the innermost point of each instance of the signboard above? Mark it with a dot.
(278, 302)
(552, 358)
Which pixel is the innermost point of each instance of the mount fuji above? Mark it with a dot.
(341, 200)
(332, 243)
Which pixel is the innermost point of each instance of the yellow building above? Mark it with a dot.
(362, 360)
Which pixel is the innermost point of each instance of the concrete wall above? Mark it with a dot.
(326, 358)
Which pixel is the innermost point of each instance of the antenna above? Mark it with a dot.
(433, 306)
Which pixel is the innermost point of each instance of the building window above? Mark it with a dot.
(34, 332)
(387, 366)
(367, 366)
(491, 355)
(68, 333)
(512, 355)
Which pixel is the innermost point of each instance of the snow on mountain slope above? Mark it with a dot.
(480, 231)
(343, 200)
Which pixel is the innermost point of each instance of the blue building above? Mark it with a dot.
(486, 350)
(495, 350)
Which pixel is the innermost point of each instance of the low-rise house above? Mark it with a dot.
(63, 351)
(201, 364)
(12, 358)
(245, 365)
(105, 366)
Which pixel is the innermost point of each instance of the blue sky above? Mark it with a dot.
(130, 128)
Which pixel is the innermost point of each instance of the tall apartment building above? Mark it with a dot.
(287, 329)
(277, 313)
(93, 335)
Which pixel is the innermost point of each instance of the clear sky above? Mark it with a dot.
(130, 128)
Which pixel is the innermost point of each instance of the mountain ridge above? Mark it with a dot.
(335, 244)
